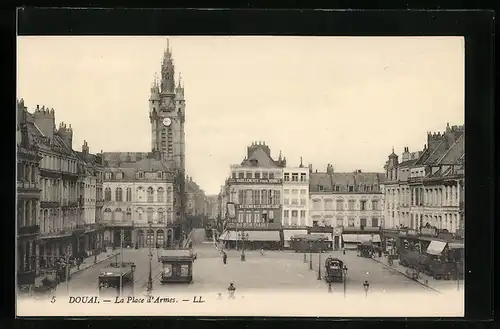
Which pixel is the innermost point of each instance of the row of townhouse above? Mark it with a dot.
(427, 188)
(59, 193)
(271, 197)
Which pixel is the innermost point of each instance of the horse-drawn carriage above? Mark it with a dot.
(334, 270)
(365, 249)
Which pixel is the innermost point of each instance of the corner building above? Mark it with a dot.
(255, 187)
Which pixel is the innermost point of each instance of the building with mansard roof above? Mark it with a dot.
(427, 188)
(255, 187)
(348, 202)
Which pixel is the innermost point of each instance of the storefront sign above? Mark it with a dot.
(261, 225)
(255, 181)
(428, 231)
(259, 206)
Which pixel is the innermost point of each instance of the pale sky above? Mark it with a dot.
(340, 100)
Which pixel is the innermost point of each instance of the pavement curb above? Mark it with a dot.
(95, 264)
(404, 274)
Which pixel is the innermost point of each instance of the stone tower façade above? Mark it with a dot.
(167, 114)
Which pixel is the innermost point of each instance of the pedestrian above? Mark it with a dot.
(224, 257)
(262, 251)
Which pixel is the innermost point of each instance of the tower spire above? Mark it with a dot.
(301, 165)
(279, 157)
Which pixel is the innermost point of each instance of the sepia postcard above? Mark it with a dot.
(240, 176)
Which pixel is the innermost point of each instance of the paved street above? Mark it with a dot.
(275, 270)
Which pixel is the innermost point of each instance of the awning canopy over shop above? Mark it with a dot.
(325, 235)
(263, 235)
(252, 236)
(456, 245)
(436, 247)
(355, 238)
(287, 234)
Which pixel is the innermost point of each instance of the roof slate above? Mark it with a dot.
(263, 160)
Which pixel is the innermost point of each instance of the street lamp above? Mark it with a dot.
(345, 280)
(243, 237)
(150, 278)
(458, 276)
(319, 264)
(310, 256)
(133, 285)
(366, 286)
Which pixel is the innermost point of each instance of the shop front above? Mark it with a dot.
(252, 236)
(289, 232)
(325, 232)
(351, 237)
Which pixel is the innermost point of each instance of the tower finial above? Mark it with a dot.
(301, 165)
(393, 149)
(180, 79)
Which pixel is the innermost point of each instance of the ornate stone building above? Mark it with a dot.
(427, 189)
(349, 202)
(56, 175)
(28, 198)
(159, 196)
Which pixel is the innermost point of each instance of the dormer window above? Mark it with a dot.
(254, 162)
(119, 175)
(159, 174)
(351, 188)
(321, 188)
(108, 175)
(140, 174)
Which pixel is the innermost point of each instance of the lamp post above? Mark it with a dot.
(150, 278)
(243, 237)
(121, 263)
(319, 264)
(457, 274)
(345, 280)
(133, 284)
(310, 256)
(366, 286)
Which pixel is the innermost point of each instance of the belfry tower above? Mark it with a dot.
(167, 114)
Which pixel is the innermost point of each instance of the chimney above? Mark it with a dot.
(310, 168)
(406, 155)
(45, 121)
(85, 148)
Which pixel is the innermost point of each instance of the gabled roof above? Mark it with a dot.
(407, 163)
(454, 153)
(262, 160)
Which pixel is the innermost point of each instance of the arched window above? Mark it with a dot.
(129, 215)
(150, 215)
(169, 194)
(139, 214)
(107, 215)
(108, 175)
(118, 215)
(161, 194)
(129, 194)
(107, 194)
(161, 216)
(169, 216)
(119, 194)
(317, 204)
(151, 194)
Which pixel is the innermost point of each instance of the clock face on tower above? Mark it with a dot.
(167, 122)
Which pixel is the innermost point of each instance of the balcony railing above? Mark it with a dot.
(28, 230)
(49, 204)
(27, 185)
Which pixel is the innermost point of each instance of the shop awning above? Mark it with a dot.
(436, 247)
(355, 238)
(263, 235)
(326, 235)
(456, 245)
(350, 238)
(287, 234)
(228, 236)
